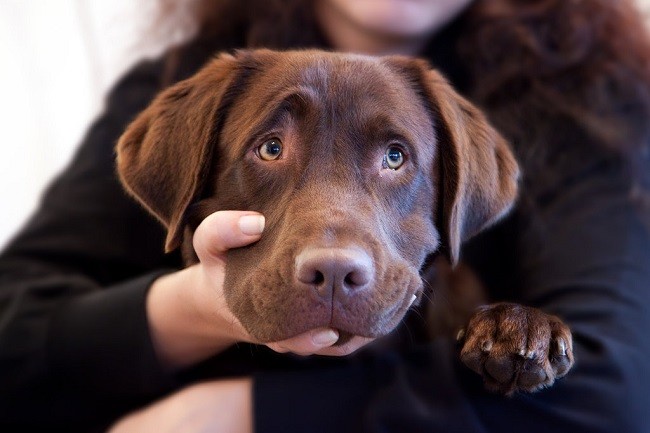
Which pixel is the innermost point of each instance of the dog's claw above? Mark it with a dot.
(413, 300)
(527, 354)
(486, 346)
(460, 334)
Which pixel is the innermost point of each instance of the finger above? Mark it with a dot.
(315, 343)
(307, 343)
(224, 230)
(351, 346)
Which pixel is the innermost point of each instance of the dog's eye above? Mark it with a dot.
(394, 158)
(270, 150)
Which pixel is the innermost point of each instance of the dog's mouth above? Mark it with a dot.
(348, 290)
(346, 336)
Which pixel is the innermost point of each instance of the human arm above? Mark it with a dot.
(187, 311)
(218, 407)
(73, 285)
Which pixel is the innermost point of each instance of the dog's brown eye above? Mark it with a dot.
(270, 150)
(394, 158)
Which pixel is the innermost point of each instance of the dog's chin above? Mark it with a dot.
(273, 310)
(266, 336)
(268, 331)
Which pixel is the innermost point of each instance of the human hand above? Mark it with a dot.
(188, 315)
(217, 406)
(230, 229)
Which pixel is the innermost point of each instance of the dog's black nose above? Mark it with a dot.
(335, 270)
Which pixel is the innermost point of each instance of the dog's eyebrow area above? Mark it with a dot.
(294, 102)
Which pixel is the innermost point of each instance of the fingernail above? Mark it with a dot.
(251, 224)
(325, 338)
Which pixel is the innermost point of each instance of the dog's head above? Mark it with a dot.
(362, 166)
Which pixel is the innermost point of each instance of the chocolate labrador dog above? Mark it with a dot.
(363, 167)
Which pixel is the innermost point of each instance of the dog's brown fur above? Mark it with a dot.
(194, 151)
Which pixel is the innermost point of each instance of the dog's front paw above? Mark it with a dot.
(516, 348)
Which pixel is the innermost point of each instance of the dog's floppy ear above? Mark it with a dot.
(478, 173)
(164, 155)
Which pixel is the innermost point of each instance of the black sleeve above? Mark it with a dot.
(74, 343)
(591, 267)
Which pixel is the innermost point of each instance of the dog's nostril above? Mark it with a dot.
(311, 276)
(356, 279)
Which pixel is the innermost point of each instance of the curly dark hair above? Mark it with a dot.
(578, 70)
(576, 67)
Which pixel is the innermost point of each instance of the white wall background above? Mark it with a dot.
(57, 59)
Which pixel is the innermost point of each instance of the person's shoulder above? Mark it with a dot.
(138, 85)
(185, 60)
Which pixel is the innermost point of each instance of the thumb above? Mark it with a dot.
(224, 230)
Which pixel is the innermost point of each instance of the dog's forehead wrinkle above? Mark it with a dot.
(316, 74)
(273, 98)
(335, 75)
(368, 85)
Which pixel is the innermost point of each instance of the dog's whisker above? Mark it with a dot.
(427, 297)
(443, 296)
(419, 315)
(409, 333)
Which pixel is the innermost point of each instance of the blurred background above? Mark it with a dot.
(58, 59)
